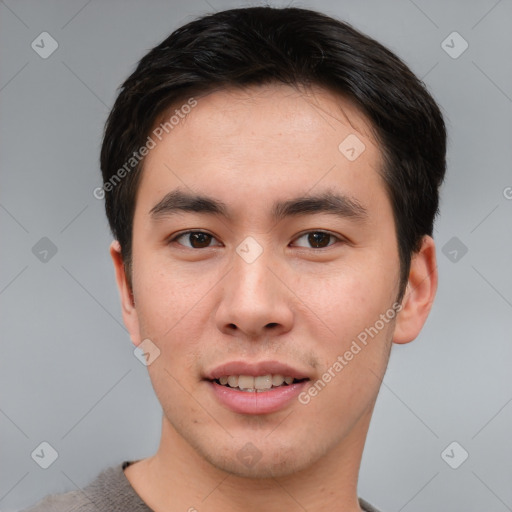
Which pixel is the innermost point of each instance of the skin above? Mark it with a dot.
(296, 303)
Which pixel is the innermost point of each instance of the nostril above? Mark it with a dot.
(272, 325)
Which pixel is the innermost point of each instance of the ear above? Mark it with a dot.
(419, 294)
(130, 316)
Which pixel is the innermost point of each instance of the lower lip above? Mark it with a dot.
(256, 402)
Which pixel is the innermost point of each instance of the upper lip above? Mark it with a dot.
(255, 369)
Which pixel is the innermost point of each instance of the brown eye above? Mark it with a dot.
(195, 239)
(199, 240)
(317, 239)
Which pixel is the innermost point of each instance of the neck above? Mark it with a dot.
(177, 478)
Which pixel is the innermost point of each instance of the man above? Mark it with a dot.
(271, 179)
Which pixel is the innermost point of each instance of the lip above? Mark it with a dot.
(255, 369)
(253, 402)
(256, 402)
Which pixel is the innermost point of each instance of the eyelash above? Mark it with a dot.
(337, 238)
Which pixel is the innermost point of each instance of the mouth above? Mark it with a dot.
(256, 388)
(256, 384)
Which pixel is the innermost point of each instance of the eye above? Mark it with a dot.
(318, 239)
(196, 239)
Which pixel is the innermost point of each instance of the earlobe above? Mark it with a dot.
(419, 294)
(130, 316)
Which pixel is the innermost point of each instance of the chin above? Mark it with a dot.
(243, 459)
(264, 468)
(253, 450)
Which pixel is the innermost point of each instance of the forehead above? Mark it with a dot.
(267, 139)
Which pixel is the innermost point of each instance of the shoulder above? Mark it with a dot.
(73, 501)
(109, 491)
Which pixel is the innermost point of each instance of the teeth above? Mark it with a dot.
(259, 383)
(277, 380)
(263, 382)
(245, 382)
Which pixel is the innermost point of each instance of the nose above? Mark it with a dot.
(254, 302)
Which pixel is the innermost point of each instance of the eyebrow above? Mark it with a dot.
(325, 202)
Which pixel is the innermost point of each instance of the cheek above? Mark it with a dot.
(348, 311)
(167, 296)
(348, 299)
(349, 381)
(172, 312)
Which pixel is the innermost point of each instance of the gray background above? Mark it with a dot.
(68, 375)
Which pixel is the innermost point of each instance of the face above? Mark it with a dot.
(278, 272)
